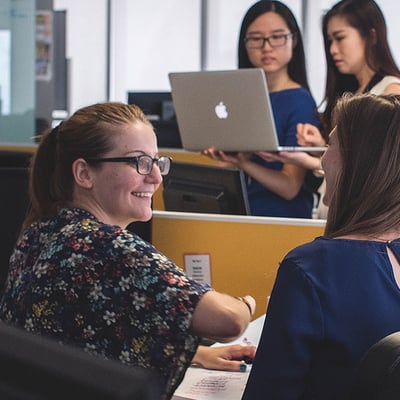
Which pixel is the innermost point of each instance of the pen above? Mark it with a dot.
(247, 360)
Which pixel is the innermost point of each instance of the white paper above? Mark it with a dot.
(205, 384)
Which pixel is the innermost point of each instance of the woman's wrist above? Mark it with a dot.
(319, 172)
(249, 302)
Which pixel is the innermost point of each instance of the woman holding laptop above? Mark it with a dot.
(270, 39)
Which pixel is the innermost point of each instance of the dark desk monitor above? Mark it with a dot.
(159, 109)
(37, 368)
(200, 188)
(15, 159)
(14, 202)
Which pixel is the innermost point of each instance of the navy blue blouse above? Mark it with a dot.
(290, 107)
(332, 300)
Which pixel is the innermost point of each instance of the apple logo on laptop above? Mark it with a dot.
(220, 110)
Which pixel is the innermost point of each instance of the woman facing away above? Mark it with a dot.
(270, 39)
(78, 276)
(336, 296)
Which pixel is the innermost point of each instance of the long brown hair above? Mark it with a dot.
(86, 134)
(366, 198)
(367, 18)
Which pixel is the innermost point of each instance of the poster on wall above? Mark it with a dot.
(44, 45)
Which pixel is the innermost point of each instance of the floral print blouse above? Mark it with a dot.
(104, 289)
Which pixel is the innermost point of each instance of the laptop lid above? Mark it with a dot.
(226, 110)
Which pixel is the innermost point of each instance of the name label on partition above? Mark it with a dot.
(197, 267)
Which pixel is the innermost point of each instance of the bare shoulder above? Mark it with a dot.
(393, 88)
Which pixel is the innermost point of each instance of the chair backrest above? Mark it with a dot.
(39, 368)
(378, 374)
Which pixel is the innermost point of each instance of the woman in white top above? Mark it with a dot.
(358, 60)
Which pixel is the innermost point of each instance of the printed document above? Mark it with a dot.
(205, 384)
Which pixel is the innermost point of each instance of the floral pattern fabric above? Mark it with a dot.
(104, 289)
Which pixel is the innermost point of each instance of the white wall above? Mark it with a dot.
(86, 50)
(153, 37)
(149, 39)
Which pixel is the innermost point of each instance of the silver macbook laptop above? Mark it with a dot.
(226, 110)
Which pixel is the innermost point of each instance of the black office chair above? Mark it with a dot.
(39, 368)
(378, 374)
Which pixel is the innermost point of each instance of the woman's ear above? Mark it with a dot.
(373, 36)
(294, 40)
(82, 173)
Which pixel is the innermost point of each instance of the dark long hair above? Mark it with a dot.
(297, 65)
(86, 134)
(368, 19)
(366, 197)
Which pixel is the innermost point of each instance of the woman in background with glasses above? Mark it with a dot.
(270, 39)
(78, 276)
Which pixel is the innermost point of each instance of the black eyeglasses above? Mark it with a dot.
(258, 42)
(144, 164)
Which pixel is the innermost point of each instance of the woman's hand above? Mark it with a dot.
(224, 358)
(237, 158)
(309, 135)
(299, 158)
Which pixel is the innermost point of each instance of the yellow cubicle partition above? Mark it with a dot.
(244, 252)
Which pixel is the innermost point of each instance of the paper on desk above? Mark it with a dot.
(205, 384)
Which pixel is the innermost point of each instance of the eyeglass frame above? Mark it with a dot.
(134, 160)
(267, 39)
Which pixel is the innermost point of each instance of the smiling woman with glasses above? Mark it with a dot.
(79, 276)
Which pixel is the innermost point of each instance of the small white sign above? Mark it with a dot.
(197, 267)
